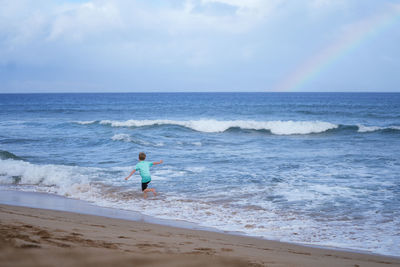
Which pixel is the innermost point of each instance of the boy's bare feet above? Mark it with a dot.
(154, 191)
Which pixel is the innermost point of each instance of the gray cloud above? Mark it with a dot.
(201, 45)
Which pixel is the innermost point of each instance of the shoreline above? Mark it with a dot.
(17, 222)
(60, 203)
(46, 236)
(40, 200)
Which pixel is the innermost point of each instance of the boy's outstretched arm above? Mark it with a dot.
(157, 162)
(126, 178)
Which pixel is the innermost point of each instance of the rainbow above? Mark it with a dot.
(354, 35)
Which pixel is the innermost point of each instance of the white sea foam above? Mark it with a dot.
(255, 217)
(196, 169)
(365, 129)
(58, 179)
(215, 126)
(127, 138)
(159, 144)
(85, 122)
(121, 137)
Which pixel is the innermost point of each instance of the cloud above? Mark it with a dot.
(83, 20)
(189, 42)
(190, 32)
(46, 21)
(78, 21)
(251, 7)
(326, 3)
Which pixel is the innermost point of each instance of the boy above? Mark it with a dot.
(144, 168)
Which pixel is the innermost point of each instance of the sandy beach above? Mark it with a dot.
(38, 237)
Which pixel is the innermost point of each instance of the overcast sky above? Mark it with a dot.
(199, 45)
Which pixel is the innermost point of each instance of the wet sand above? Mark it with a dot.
(39, 237)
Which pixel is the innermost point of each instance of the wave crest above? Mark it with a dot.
(85, 122)
(58, 179)
(121, 137)
(366, 129)
(8, 155)
(216, 126)
(128, 139)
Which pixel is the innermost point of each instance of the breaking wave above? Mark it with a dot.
(8, 155)
(366, 129)
(129, 139)
(57, 179)
(217, 126)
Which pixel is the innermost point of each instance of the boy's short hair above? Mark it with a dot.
(142, 156)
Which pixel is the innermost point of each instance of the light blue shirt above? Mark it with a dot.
(144, 168)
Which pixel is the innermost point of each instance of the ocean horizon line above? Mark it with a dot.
(205, 92)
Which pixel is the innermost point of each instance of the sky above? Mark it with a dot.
(199, 46)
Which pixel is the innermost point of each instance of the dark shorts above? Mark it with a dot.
(144, 186)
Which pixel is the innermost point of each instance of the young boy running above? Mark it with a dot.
(144, 168)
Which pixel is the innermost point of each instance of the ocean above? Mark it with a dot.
(312, 168)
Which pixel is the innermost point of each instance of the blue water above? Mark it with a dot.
(313, 168)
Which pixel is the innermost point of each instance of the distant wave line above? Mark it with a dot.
(217, 126)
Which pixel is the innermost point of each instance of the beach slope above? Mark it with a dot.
(38, 237)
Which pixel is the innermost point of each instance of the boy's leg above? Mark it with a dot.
(148, 190)
(154, 191)
(144, 189)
